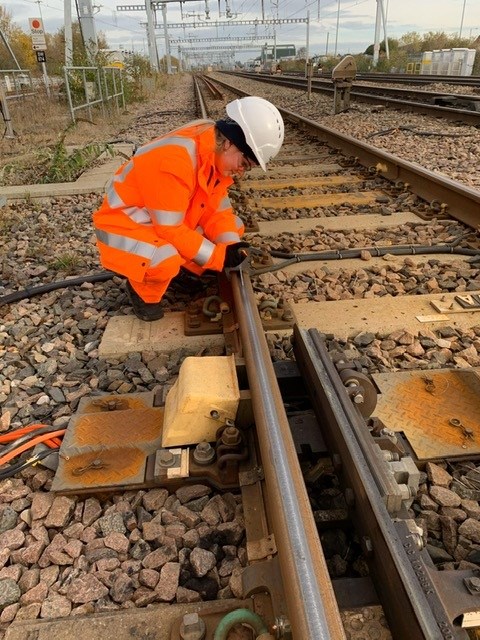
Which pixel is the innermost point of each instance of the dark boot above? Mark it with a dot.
(147, 311)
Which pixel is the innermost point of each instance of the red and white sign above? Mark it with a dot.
(38, 34)
(36, 26)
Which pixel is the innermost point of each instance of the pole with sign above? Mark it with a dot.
(39, 45)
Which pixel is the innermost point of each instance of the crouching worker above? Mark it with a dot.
(167, 208)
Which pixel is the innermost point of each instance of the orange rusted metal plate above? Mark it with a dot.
(316, 200)
(302, 183)
(110, 467)
(140, 427)
(107, 448)
(422, 404)
(115, 402)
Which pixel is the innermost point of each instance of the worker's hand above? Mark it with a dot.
(235, 254)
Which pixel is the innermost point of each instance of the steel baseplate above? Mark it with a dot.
(438, 411)
(114, 442)
(108, 441)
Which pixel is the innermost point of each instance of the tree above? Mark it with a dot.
(19, 42)
(392, 47)
(301, 53)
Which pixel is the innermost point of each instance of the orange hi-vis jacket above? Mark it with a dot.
(167, 207)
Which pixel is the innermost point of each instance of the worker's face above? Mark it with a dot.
(231, 161)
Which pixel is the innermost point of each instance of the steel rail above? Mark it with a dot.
(202, 107)
(312, 608)
(364, 94)
(412, 605)
(461, 202)
(409, 78)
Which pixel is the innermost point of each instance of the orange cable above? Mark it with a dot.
(28, 445)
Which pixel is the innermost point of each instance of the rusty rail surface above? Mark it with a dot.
(311, 603)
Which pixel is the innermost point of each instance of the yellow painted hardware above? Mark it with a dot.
(204, 396)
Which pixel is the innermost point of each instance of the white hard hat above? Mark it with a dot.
(261, 124)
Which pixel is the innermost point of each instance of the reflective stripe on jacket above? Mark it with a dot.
(167, 206)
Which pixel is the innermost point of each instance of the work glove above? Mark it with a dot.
(235, 254)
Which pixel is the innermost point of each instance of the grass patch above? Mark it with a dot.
(67, 262)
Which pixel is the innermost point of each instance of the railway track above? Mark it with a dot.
(326, 483)
(456, 107)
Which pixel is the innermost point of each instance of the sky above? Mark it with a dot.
(335, 26)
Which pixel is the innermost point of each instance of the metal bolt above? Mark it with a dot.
(282, 627)
(214, 414)
(358, 398)
(473, 584)
(367, 546)
(192, 627)
(194, 322)
(231, 436)
(166, 458)
(204, 453)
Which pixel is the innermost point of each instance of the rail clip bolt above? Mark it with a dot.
(166, 458)
(204, 453)
(192, 627)
(231, 436)
(473, 584)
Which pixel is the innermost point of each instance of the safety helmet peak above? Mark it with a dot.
(262, 125)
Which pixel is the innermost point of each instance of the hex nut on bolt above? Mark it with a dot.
(231, 436)
(204, 453)
(192, 627)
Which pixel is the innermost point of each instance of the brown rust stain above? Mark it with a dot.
(119, 465)
(136, 426)
(422, 406)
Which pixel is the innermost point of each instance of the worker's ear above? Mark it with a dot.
(227, 144)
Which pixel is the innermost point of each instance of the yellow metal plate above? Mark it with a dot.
(422, 403)
(312, 201)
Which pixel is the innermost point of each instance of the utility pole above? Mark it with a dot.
(463, 16)
(336, 32)
(152, 43)
(67, 12)
(380, 18)
(376, 42)
(167, 43)
(87, 26)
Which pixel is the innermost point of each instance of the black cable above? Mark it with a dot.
(398, 250)
(16, 296)
(16, 468)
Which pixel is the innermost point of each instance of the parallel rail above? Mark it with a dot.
(459, 201)
(373, 96)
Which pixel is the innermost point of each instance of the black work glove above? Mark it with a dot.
(235, 254)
